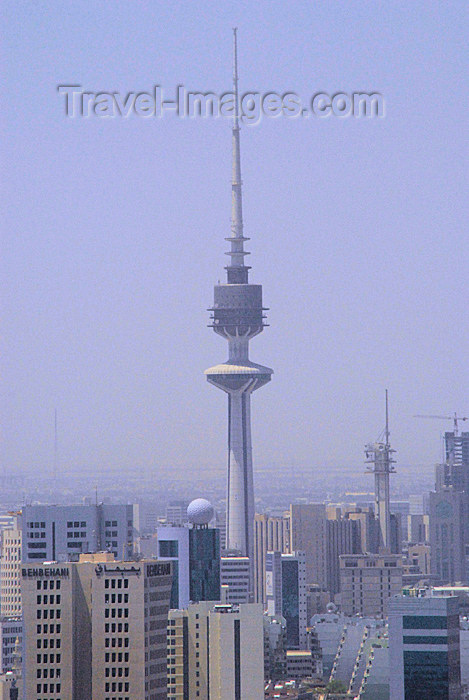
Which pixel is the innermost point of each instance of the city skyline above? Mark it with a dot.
(365, 216)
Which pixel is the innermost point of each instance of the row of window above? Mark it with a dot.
(49, 658)
(118, 657)
(116, 642)
(116, 598)
(116, 612)
(48, 614)
(48, 687)
(48, 672)
(117, 687)
(116, 583)
(48, 629)
(48, 585)
(116, 627)
(48, 599)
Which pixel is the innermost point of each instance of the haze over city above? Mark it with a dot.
(114, 236)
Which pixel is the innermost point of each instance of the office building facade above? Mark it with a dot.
(424, 648)
(368, 582)
(216, 651)
(95, 629)
(286, 592)
(62, 533)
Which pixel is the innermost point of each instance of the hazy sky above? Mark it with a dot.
(113, 232)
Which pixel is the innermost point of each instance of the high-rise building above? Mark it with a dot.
(368, 582)
(10, 563)
(176, 512)
(62, 533)
(449, 513)
(216, 651)
(287, 594)
(323, 540)
(11, 642)
(424, 647)
(238, 315)
(271, 534)
(235, 575)
(455, 471)
(194, 550)
(275, 647)
(95, 629)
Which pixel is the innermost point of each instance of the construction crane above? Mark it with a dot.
(455, 418)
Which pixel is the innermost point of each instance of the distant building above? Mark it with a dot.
(323, 540)
(424, 648)
(300, 664)
(418, 529)
(218, 647)
(449, 535)
(368, 582)
(62, 533)
(275, 647)
(10, 562)
(286, 594)
(235, 574)
(11, 642)
(95, 629)
(449, 513)
(271, 534)
(176, 512)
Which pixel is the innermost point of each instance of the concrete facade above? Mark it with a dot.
(368, 582)
(62, 533)
(96, 629)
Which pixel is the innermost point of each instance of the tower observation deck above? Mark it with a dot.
(238, 315)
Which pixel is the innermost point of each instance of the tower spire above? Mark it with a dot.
(237, 271)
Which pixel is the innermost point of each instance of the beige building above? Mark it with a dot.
(323, 535)
(96, 629)
(216, 652)
(271, 534)
(368, 582)
(10, 564)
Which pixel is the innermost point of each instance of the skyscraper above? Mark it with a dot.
(238, 315)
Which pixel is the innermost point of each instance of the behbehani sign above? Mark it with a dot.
(52, 572)
(162, 568)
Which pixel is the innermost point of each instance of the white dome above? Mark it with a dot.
(200, 512)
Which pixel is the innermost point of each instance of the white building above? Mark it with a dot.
(173, 545)
(424, 647)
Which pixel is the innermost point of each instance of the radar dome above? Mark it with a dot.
(200, 512)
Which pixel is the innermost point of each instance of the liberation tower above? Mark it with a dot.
(238, 315)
